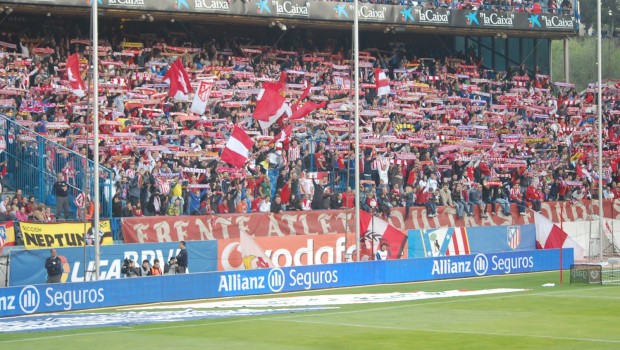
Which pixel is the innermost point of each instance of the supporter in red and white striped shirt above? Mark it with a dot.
(517, 197)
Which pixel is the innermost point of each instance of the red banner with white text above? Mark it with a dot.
(322, 222)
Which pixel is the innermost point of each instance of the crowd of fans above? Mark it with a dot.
(450, 132)
(533, 6)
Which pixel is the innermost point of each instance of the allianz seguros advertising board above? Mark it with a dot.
(87, 295)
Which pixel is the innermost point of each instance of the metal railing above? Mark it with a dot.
(34, 161)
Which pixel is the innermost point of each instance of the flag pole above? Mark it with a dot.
(95, 62)
(599, 102)
(356, 69)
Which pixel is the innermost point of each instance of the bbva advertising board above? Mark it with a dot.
(27, 266)
(31, 299)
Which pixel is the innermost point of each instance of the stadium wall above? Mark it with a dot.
(15, 301)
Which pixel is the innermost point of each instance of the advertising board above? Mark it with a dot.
(108, 293)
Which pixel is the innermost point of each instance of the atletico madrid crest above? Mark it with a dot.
(513, 237)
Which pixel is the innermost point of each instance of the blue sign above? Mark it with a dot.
(450, 241)
(27, 266)
(109, 293)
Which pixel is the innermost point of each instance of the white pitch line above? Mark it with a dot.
(283, 317)
(450, 331)
(126, 330)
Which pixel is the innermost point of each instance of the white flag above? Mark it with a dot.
(254, 256)
(199, 105)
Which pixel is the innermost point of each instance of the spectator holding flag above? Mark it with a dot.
(61, 191)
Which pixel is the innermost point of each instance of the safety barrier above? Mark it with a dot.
(33, 162)
(109, 293)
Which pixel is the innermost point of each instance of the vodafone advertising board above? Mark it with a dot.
(291, 250)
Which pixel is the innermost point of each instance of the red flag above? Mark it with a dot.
(382, 82)
(269, 105)
(237, 150)
(279, 87)
(180, 85)
(73, 74)
(380, 232)
(306, 109)
(306, 91)
(284, 135)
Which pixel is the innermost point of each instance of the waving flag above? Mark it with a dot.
(382, 81)
(283, 136)
(379, 232)
(306, 109)
(80, 200)
(254, 256)
(73, 74)
(279, 87)
(270, 105)
(199, 105)
(180, 85)
(550, 236)
(237, 149)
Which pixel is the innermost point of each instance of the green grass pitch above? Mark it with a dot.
(561, 317)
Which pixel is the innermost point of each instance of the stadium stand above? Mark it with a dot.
(450, 131)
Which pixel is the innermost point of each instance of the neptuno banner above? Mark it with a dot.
(67, 234)
(27, 266)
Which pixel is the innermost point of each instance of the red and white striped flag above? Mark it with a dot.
(237, 150)
(550, 236)
(382, 82)
(79, 200)
(380, 232)
(199, 105)
(180, 85)
(163, 185)
(73, 74)
(459, 243)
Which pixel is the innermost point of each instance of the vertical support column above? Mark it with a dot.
(566, 62)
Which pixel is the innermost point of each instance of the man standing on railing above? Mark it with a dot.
(61, 191)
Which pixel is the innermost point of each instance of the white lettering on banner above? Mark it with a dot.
(557, 22)
(430, 16)
(112, 269)
(497, 20)
(212, 5)
(7, 302)
(312, 278)
(480, 265)
(288, 8)
(283, 257)
(508, 264)
(371, 13)
(448, 267)
(126, 2)
(70, 298)
(236, 282)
